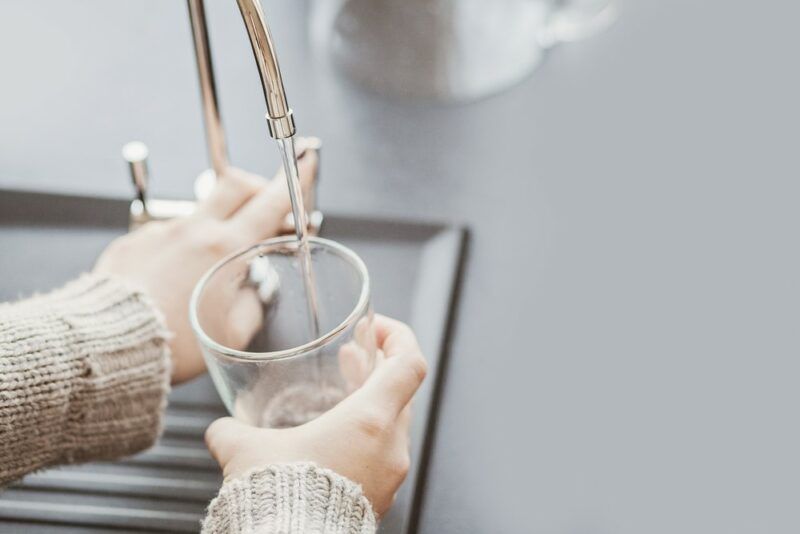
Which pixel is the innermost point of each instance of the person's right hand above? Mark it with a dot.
(363, 438)
(165, 259)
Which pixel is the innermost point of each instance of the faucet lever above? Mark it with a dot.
(135, 153)
(144, 209)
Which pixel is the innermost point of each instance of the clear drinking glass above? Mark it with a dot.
(253, 315)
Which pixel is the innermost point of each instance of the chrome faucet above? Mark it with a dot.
(279, 115)
(280, 120)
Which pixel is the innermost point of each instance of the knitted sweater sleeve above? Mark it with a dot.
(290, 499)
(84, 374)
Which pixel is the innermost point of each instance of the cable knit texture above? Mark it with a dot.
(290, 499)
(84, 374)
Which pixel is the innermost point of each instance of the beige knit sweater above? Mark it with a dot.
(84, 375)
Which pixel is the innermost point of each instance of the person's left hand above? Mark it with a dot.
(166, 259)
(364, 438)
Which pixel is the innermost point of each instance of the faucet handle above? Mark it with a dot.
(135, 153)
(144, 209)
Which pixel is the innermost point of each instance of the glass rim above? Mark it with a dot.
(360, 306)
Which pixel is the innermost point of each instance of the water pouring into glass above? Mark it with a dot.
(285, 326)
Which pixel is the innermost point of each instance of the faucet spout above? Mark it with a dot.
(279, 115)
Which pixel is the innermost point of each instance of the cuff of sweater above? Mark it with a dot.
(290, 499)
(90, 369)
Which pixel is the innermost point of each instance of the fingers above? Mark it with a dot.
(354, 365)
(404, 422)
(230, 193)
(244, 318)
(222, 437)
(404, 426)
(364, 334)
(395, 338)
(395, 381)
(263, 214)
(355, 362)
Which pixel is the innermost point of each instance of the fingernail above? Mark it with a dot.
(314, 143)
(300, 147)
(304, 144)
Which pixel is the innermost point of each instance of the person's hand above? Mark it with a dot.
(363, 438)
(166, 259)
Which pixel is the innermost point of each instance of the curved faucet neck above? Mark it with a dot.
(279, 115)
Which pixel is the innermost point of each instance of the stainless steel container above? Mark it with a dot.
(448, 49)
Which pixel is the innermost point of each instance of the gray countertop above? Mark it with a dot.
(626, 349)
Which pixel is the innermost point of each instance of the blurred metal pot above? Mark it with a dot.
(448, 49)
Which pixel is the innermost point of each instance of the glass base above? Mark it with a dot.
(299, 404)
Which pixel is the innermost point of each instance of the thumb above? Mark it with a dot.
(222, 437)
(396, 379)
